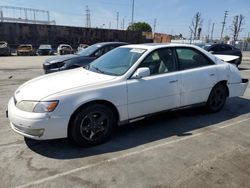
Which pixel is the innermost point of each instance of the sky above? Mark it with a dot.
(172, 16)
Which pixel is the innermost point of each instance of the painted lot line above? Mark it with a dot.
(113, 159)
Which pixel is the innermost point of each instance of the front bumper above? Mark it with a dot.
(54, 67)
(39, 126)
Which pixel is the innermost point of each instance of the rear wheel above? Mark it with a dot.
(92, 125)
(217, 98)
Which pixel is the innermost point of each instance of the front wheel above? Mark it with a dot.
(92, 125)
(217, 98)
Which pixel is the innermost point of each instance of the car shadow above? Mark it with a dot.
(176, 123)
(243, 69)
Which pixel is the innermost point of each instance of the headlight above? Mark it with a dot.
(38, 107)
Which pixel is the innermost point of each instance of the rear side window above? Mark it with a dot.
(225, 48)
(214, 48)
(190, 58)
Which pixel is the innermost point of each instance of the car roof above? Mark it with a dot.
(111, 43)
(64, 45)
(25, 45)
(152, 46)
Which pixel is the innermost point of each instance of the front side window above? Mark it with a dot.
(117, 61)
(160, 61)
(190, 58)
(89, 50)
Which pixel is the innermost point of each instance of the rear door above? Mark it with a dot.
(198, 75)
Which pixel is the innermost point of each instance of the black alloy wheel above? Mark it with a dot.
(92, 125)
(217, 98)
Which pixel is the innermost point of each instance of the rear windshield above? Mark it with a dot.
(25, 47)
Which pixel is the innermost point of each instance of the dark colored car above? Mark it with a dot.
(224, 49)
(4, 48)
(45, 49)
(82, 58)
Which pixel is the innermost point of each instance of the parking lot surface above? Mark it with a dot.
(185, 148)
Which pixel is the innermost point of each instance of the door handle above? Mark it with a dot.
(212, 74)
(173, 81)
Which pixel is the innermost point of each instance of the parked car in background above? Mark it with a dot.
(82, 58)
(224, 49)
(4, 48)
(127, 84)
(25, 49)
(45, 49)
(63, 49)
(81, 47)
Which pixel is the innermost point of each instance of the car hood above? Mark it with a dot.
(60, 58)
(44, 86)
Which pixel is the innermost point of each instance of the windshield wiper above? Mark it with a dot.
(98, 70)
(86, 67)
(103, 72)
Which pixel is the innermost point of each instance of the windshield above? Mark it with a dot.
(206, 47)
(25, 47)
(117, 61)
(45, 46)
(90, 50)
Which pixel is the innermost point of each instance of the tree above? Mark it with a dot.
(140, 26)
(196, 26)
(237, 26)
(226, 39)
(248, 39)
(199, 33)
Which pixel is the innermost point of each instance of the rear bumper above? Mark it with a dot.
(238, 89)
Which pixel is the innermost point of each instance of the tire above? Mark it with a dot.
(217, 98)
(92, 125)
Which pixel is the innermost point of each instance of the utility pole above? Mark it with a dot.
(109, 25)
(133, 8)
(155, 21)
(117, 20)
(123, 24)
(212, 32)
(88, 23)
(1, 15)
(208, 30)
(223, 24)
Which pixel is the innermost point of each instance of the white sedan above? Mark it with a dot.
(125, 85)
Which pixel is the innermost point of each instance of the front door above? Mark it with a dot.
(157, 92)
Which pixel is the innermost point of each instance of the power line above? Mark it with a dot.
(223, 24)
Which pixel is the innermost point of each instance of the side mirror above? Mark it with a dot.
(141, 72)
(98, 54)
(211, 52)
